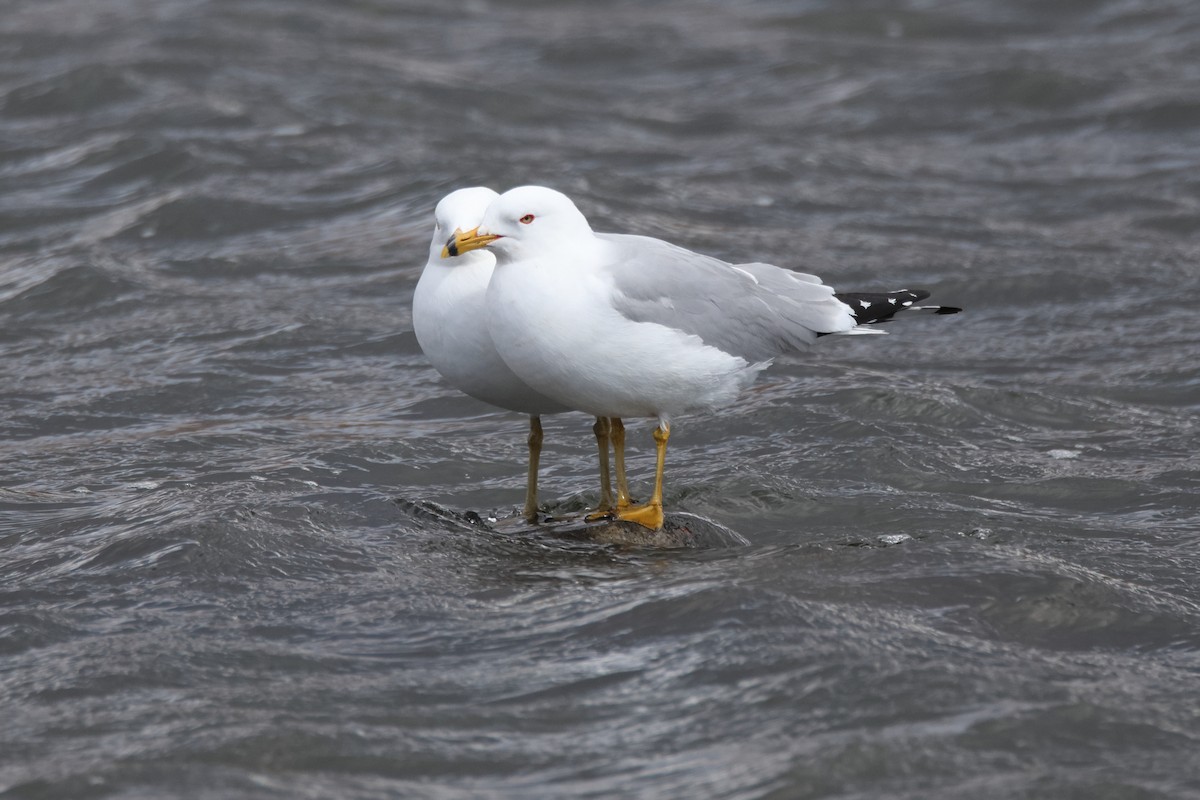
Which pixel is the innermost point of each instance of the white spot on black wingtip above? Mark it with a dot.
(892, 300)
(907, 303)
(864, 304)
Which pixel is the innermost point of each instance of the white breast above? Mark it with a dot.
(449, 320)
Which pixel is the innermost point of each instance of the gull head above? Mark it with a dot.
(523, 220)
(461, 210)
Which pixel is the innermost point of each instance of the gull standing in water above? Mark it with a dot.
(450, 322)
(630, 326)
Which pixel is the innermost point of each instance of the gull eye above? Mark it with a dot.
(525, 220)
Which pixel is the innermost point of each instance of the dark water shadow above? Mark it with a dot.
(680, 530)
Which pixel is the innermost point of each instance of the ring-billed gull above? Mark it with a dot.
(630, 326)
(451, 328)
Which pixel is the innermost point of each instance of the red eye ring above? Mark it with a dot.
(525, 220)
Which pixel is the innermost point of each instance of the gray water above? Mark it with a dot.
(235, 544)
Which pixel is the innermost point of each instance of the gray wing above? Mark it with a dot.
(767, 272)
(756, 311)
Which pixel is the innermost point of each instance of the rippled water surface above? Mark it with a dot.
(957, 561)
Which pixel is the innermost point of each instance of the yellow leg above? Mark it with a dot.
(535, 454)
(650, 515)
(617, 434)
(602, 431)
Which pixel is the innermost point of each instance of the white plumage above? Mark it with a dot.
(629, 326)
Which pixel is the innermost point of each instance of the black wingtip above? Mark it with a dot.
(874, 307)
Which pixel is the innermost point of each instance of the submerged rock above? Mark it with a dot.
(680, 529)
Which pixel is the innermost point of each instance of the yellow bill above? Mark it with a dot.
(464, 242)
